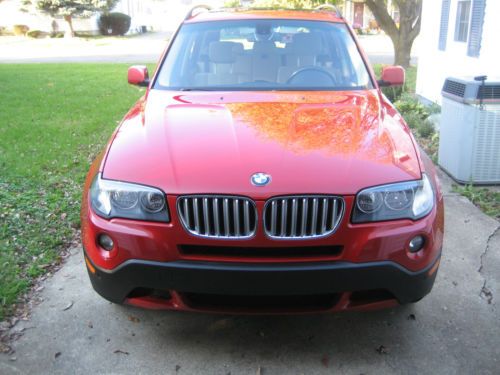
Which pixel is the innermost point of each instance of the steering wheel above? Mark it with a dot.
(309, 69)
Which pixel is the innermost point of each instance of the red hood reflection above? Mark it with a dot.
(336, 142)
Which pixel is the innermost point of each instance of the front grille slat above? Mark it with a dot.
(205, 216)
(226, 218)
(196, 215)
(236, 210)
(296, 217)
(274, 217)
(314, 216)
(283, 218)
(246, 216)
(334, 213)
(218, 216)
(304, 217)
(324, 214)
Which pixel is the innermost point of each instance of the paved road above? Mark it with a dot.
(145, 48)
(455, 329)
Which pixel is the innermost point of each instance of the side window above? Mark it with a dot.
(462, 21)
(476, 28)
(443, 27)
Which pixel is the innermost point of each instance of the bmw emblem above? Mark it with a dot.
(260, 179)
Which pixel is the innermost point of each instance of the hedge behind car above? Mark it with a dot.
(113, 23)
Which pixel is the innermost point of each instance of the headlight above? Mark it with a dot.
(130, 201)
(405, 200)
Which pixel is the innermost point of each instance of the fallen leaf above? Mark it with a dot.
(118, 351)
(69, 306)
(382, 350)
(325, 360)
(220, 324)
(57, 354)
(133, 319)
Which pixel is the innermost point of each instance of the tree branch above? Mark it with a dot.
(383, 18)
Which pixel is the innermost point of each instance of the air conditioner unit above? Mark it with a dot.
(469, 143)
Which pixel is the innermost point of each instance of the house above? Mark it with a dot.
(151, 14)
(461, 40)
(357, 13)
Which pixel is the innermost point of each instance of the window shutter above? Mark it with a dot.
(476, 28)
(443, 27)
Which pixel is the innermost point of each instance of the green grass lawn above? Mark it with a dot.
(54, 119)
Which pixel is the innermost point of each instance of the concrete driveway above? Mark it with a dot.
(454, 330)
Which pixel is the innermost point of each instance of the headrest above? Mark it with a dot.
(264, 47)
(307, 44)
(222, 52)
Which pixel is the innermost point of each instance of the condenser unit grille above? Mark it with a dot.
(486, 156)
(454, 88)
(489, 92)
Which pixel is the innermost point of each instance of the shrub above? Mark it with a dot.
(113, 23)
(36, 34)
(412, 119)
(425, 129)
(408, 103)
(20, 29)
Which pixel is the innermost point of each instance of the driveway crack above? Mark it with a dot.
(485, 292)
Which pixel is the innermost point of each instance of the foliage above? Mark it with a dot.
(54, 121)
(488, 200)
(283, 4)
(416, 115)
(113, 23)
(70, 8)
(37, 34)
(83, 8)
(20, 29)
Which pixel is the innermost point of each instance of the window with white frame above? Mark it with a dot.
(462, 21)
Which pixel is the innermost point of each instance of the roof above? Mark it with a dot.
(242, 14)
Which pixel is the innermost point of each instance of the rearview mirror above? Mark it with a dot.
(138, 75)
(392, 76)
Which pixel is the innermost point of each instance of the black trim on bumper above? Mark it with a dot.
(262, 279)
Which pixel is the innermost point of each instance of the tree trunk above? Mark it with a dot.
(69, 20)
(404, 34)
(402, 51)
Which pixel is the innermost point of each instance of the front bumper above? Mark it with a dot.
(183, 278)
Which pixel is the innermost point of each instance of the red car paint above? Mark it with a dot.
(317, 142)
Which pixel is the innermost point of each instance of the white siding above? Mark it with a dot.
(435, 65)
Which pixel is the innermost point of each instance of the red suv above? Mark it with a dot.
(263, 171)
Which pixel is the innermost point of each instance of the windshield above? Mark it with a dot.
(263, 55)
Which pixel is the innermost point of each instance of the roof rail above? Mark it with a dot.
(326, 7)
(192, 13)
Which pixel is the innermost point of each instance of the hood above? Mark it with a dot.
(323, 143)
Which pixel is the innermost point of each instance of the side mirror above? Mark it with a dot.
(138, 75)
(392, 76)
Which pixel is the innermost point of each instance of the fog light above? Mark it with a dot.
(416, 244)
(105, 242)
